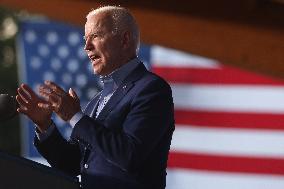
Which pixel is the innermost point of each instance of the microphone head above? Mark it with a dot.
(8, 107)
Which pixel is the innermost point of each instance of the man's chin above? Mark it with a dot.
(97, 69)
(99, 72)
(102, 70)
(96, 72)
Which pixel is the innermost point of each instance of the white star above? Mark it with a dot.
(67, 79)
(73, 65)
(43, 50)
(81, 80)
(74, 38)
(55, 64)
(30, 36)
(63, 51)
(51, 38)
(49, 76)
(35, 62)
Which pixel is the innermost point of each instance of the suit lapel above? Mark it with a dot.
(91, 107)
(94, 110)
(122, 90)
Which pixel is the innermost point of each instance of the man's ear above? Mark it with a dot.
(126, 39)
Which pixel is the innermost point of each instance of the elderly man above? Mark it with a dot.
(123, 136)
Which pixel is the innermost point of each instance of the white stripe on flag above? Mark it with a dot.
(221, 141)
(247, 98)
(171, 58)
(187, 179)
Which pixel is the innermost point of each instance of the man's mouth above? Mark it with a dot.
(94, 58)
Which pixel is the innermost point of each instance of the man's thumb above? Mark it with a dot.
(73, 94)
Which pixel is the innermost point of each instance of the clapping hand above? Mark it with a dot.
(29, 104)
(64, 104)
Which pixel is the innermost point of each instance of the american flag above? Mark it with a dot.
(229, 122)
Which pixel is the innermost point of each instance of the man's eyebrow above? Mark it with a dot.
(91, 34)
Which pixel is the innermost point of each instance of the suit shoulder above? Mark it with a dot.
(154, 79)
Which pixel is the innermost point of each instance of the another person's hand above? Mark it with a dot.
(29, 105)
(64, 104)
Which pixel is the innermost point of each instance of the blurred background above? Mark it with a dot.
(223, 59)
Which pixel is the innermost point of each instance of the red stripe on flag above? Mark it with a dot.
(230, 119)
(225, 75)
(226, 163)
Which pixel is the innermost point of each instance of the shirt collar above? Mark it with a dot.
(118, 75)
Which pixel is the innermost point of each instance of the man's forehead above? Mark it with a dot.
(98, 21)
(93, 21)
(99, 18)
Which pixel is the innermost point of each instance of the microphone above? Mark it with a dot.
(8, 107)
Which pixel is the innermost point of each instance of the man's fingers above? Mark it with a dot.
(23, 95)
(22, 110)
(44, 88)
(54, 87)
(53, 99)
(29, 91)
(50, 97)
(45, 91)
(21, 102)
(46, 106)
(52, 92)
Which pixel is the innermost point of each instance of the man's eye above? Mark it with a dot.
(91, 37)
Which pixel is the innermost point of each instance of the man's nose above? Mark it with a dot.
(88, 45)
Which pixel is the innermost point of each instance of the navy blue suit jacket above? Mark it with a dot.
(127, 145)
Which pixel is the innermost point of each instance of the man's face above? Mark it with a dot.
(102, 45)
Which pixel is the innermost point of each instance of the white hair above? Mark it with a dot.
(122, 20)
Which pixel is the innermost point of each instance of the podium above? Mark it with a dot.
(20, 173)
